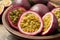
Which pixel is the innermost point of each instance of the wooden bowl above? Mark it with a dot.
(56, 3)
(19, 35)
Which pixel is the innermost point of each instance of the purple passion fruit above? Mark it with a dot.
(30, 23)
(56, 12)
(23, 3)
(13, 15)
(40, 8)
(50, 23)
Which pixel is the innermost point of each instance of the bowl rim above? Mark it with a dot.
(54, 4)
(14, 32)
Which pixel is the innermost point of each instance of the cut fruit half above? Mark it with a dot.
(1, 8)
(56, 12)
(30, 23)
(6, 3)
(13, 15)
(50, 23)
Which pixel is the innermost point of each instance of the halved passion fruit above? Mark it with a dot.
(6, 3)
(14, 14)
(1, 8)
(56, 12)
(50, 23)
(30, 23)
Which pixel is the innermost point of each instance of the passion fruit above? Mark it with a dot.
(6, 3)
(56, 12)
(23, 3)
(30, 23)
(50, 23)
(1, 8)
(13, 15)
(40, 8)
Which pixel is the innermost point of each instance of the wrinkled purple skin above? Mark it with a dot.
(53, 27)
(40, 8)
(50, 6)
(23, 3)
(40, 1)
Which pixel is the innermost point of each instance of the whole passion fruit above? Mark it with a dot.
(23, 3)
(56, 12)
(50, 23)
(13, 15)
(30, 23)
(40, 8)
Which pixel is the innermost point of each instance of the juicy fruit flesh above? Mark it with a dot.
(57, 14)
(14, 15)
(30, 23)
(1, 8)
(47, 22)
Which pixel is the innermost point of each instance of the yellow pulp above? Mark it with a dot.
(15, 14)
(30, 23)
(47, 22)
(57, 14)
(1, 8)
